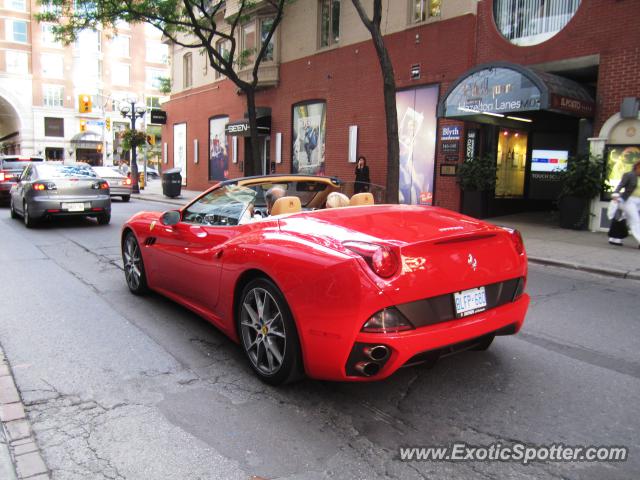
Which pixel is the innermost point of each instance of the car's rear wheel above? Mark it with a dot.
(268, 333)
(14, 214)
(29, 221)
(126, 198)
(133, 265)
(484, 343)
(104, 219)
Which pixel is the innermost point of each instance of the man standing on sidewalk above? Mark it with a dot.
(630, 188)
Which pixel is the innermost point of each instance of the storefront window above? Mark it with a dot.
(529, 22)
(620, 160)
(218, 149)
(424, 9)
(511, 162)
(309, 126)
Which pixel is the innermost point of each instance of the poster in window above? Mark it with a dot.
(180, 149)
(309, 124)
(218, 149)
(417, 134)
(620, 159)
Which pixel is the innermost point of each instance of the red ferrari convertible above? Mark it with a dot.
(349, 293)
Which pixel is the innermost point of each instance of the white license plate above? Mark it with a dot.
(470, 301)
(73, 207)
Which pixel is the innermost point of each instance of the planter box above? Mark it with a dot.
(475, 203)
(574, 213)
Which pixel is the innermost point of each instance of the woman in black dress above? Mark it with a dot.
(362, 176)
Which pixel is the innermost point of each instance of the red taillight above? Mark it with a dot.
(39, 186)
(126, 181)
(380, 258)
(516, 238)
(104, 186)
(96, 209)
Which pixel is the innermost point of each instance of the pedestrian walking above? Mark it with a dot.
(362, 176)
(628, 194)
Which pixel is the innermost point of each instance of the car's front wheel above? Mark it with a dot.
(268, 333)
(134, 271)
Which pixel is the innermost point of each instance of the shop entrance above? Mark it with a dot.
(511, 163)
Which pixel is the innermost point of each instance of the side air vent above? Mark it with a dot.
(150, 241)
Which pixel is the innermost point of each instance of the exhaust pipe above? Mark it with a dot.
(367, 368)
(377, 353)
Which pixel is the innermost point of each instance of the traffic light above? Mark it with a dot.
(84, 102)
(108, 124)
(83, 125)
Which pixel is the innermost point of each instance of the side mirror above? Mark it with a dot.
(170, 218)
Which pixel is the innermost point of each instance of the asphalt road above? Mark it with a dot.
(123, 387)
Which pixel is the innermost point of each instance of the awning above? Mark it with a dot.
(240, 128)
(86, 140)
(500, 88)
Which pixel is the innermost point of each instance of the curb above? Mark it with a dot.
(21, 446)
(609, 272)
(179, 201)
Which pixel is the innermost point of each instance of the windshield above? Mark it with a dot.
(107, 172)
(63, 171)
(222, 206)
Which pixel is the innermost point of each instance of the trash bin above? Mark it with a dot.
(172, 182)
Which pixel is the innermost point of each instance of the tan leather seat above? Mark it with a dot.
(364, 198)
(286, 205)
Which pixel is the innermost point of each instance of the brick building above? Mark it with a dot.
(537, 81)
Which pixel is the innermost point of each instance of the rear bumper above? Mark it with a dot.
(405, 347)
(47, 207)
(120, 191)
(5, 188)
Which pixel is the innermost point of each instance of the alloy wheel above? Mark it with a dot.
(263, 331)
(132, 263)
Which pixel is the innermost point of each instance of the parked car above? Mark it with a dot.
(151, 171)
(350, 293)
(11, 166)
(119, 184)
(48, 190)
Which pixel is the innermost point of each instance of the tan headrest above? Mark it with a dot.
(364, 198)
(286, 205)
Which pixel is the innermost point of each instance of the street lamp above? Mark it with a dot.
(133, 112)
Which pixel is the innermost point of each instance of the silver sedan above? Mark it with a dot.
(119, 184)
(47, 190)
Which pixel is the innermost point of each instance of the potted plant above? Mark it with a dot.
(477, 179)
(132, 139)
(582, 181)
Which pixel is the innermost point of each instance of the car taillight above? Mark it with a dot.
(40, 186)
(387, 320)
(126, 181)
(380, 258)
(2, 177)
(516, 238)
(100, 186)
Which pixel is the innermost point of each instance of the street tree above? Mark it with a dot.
(202, 25)
(389, 91)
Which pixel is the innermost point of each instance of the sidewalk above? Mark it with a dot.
(546, 243)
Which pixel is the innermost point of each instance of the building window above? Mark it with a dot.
(47, 38)
(154, 78)
(16, 31)
(223, 49)
(187, 70)
(424, 9)
(120, 73)
(53, 127)
(266, 25)
(529, 22)
(52, 65)
(88, 42)
(17, 62)
(53, 95)
(157, 52)
(152, 101)
(120, 46)
(329, 22)
(248, 43)
(20, 5)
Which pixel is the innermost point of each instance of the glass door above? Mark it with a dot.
(511, 163)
